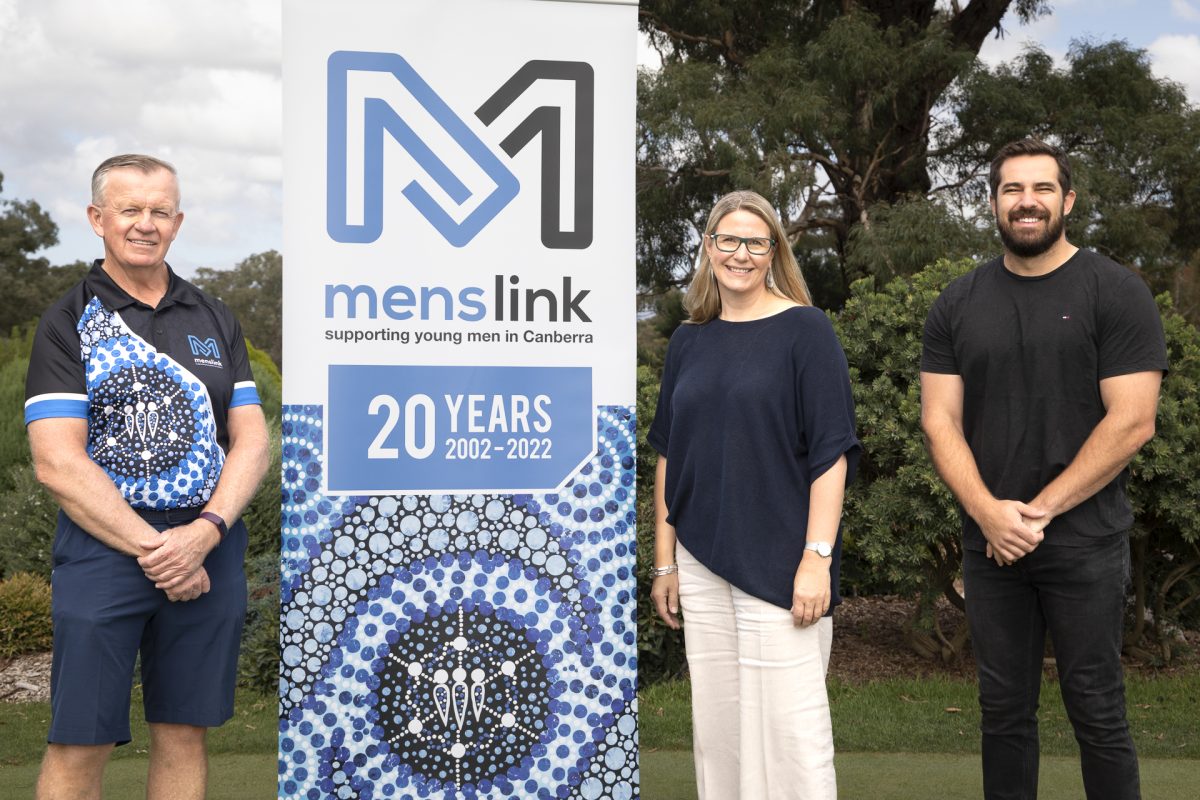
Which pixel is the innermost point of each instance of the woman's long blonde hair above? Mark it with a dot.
(703, 298)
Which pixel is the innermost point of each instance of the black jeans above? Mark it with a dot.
(1078, 594)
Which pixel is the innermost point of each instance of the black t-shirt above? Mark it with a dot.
(154, 384)
(749, 415)
(1031, 353)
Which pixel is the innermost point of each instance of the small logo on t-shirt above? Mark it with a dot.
(205, 351)
(1066, 316)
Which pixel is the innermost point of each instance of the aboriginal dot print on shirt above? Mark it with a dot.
(150, 420)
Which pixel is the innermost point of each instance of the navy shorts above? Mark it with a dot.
(106, 611)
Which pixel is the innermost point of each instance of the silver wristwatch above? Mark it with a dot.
(823, 549)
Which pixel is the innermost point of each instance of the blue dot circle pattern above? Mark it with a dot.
(553, 718)
(365, 578)
(150, 426)
(374, 535)
(613, 773)
(308, 516)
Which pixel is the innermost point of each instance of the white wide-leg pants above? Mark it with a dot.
(760, 712)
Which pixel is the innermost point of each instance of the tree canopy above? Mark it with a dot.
(870, 124)
(30, 284)
(254, 290)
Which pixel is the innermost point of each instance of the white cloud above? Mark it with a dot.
(1177, 57)
(1185, 10)
(150, 35)
(196, 83)
(234, 110)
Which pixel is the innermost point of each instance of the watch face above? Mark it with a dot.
(824, 550)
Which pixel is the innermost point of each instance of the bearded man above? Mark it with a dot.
(1039, 382)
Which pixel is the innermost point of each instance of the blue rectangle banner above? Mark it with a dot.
(448, 429)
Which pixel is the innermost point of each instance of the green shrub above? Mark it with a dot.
(17, 343)
(25, 625)
(899, 516)
(258, 664)
(1163, 486)
(14, 444)
(901, 523)
(14, 362)
(660, 649)
(262, 514)
(28, 517)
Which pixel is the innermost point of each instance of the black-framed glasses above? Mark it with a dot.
(755, 245)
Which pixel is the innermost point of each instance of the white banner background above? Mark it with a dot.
(458, 614)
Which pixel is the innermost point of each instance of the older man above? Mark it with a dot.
(145, 424)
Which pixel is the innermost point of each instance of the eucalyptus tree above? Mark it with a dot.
(870, 123)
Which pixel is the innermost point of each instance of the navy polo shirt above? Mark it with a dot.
(154, 384)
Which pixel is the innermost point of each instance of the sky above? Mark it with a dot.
(199, 83)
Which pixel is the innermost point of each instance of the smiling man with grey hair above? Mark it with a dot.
(145, 425)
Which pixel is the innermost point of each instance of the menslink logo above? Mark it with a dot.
(203, 347)
(443, 131)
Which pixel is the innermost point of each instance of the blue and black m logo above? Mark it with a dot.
(447, 132)
(204, 347)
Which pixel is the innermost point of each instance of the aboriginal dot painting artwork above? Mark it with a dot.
(151, 426)
(462, 646)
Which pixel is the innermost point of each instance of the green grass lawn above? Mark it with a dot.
(896, 740)
(230, 777)
(253, 729)
(668, 775)
(942, 716)
(909, 739)
(242, 763)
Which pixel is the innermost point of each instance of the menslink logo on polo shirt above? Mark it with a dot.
(205, 351)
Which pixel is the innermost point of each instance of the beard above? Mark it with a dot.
(1025, 246)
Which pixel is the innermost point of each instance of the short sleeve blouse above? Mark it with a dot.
(749, 415)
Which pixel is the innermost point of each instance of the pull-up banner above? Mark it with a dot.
(458, 440)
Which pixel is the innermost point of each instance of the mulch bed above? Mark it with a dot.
(25, 679)
(869, 644)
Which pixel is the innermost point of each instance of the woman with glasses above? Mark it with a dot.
(756, 443)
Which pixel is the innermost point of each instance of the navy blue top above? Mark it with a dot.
(749, 415)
